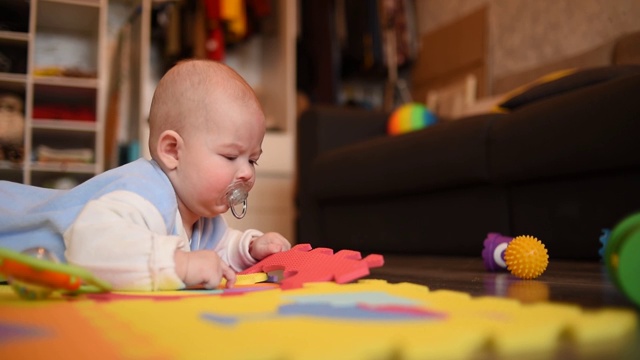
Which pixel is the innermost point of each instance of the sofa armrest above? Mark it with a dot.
(334, 126)
(322, 128)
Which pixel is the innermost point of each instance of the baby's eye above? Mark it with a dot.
(230, 157)
(253, 162)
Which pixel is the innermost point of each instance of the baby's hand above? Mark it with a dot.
(203, 267)
(267, 244)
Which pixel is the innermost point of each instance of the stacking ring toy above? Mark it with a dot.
(35, 274)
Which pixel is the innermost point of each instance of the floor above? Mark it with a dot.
(584, 283)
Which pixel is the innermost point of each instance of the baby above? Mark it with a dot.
(156, 224)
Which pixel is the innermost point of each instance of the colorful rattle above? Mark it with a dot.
(524, 256)
(35, 273)
(410, 117)
(493, 251)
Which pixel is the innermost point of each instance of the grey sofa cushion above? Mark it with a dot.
(555, 137)
(571, 82)
(445, 155)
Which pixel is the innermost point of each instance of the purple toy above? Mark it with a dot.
(493, 252)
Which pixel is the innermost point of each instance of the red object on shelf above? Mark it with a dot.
(215, 42)
(61, 112)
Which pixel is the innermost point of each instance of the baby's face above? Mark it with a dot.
(218, 155)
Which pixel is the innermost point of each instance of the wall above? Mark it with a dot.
(524, 33)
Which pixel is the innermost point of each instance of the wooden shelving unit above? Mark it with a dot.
(61, 83)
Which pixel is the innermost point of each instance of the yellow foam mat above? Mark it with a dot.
(371, 319)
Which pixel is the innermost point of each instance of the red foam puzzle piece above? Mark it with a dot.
(302, 264)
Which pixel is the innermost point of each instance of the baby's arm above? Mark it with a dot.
(122, 238)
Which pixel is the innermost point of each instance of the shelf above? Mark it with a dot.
(11, 171)
(66, 81)
(57, 61)
(14, 55)
(65, 99)
(63, 138)
(14, 17)
(14, 82)
(10, 166)
(64, 167)
(13, 37)
(77, 16)
(64, 28)
(64, 125)
(94, 3)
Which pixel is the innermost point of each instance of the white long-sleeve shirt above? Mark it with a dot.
(122, 225)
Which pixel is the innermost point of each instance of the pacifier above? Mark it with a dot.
(237, 194)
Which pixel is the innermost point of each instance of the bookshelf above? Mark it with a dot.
(58, 74)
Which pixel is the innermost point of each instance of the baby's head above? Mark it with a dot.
(206, 130)
(192, 95)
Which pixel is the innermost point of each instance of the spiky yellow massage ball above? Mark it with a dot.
(526, 257)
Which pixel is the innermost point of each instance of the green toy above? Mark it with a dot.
(36, 273)
(622, 256)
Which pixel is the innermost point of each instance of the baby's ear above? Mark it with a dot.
(169, 143)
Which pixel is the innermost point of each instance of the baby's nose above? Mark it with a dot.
(246, 172)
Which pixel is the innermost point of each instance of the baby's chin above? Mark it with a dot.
(214, 211)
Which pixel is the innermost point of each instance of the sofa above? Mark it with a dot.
(560, 162)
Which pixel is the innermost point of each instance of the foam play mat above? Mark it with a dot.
(369, 319)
